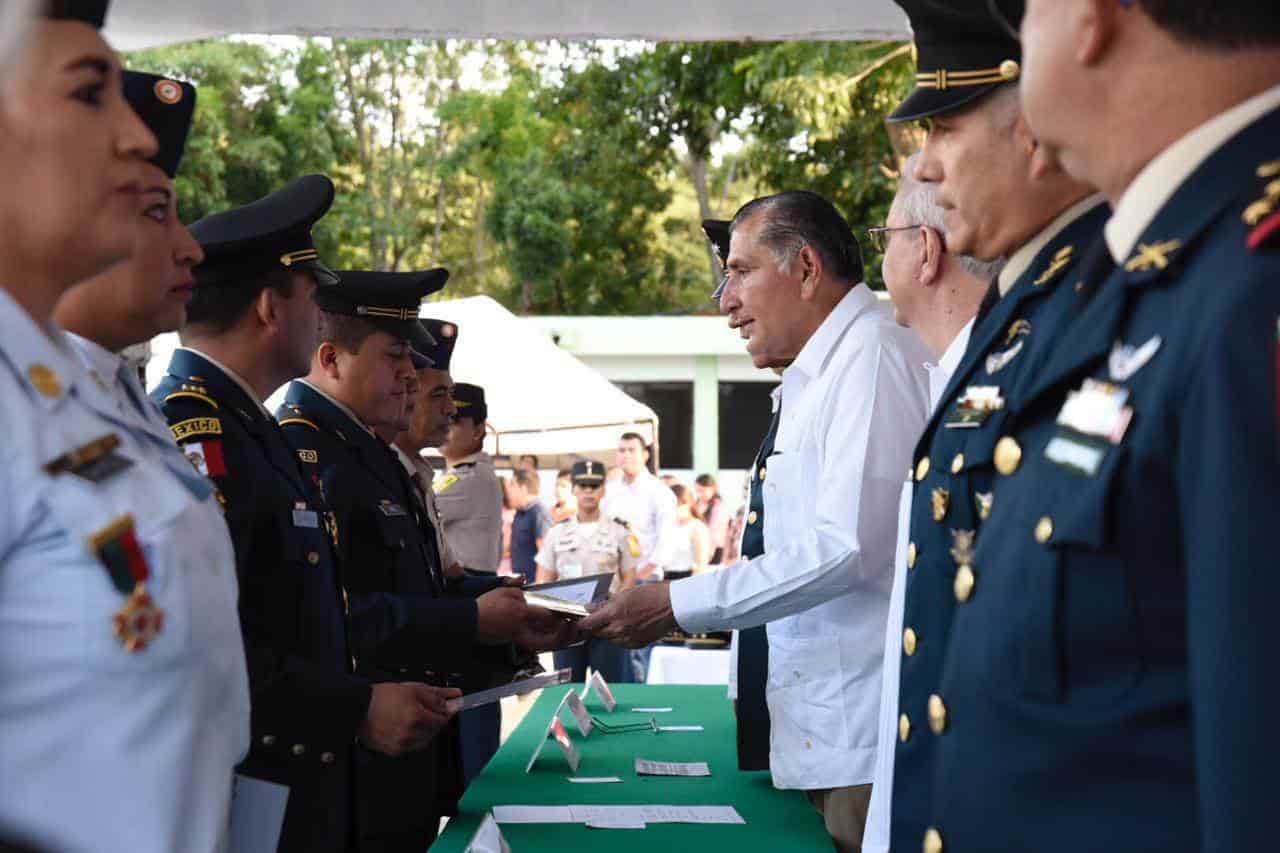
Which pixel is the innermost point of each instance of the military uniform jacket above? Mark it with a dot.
(406, 626)
(953, 494)
(469, 498)
(402, 620)
(307, 704)
(92, 706)
(574, 550)
(1110, 679)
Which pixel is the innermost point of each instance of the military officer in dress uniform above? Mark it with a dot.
(1002, 198)
(408, 620)
(251, 326)
(1109, 683)
(469, 495)
(112, 611)
(587, 543)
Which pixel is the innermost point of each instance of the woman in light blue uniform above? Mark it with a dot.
(123, 692)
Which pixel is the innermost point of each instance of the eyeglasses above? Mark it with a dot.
(879, 237)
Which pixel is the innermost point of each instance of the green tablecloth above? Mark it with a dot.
(775, 820)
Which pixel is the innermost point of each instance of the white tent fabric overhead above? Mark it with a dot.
(135, 24)
(541, 399)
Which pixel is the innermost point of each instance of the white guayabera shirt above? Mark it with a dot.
(854, 402)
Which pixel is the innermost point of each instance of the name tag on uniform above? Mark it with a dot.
(303, 517)
(974, 407)
(391, 509)
(1092, 418)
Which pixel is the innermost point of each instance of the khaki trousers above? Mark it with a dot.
(844, 811)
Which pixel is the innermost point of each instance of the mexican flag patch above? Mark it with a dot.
(206, 457)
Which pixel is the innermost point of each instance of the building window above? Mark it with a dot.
(745, 412)
(673, 403)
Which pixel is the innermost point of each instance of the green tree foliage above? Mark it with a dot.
(567, 185)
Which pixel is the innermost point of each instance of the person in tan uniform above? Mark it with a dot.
(585, 544)
(469, 496)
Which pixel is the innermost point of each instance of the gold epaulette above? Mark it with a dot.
(288, 421)
(196, 395)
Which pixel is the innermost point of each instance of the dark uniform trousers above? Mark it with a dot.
(307, 706)
(751, 707)
(407, 623)
(952, 494)
(1109, 683)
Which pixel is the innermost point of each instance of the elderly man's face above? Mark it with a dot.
(901, 268)
(759, 298)
(973, 159)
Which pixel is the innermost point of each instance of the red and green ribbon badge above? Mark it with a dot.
(116, 546)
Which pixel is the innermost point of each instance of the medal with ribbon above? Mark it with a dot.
(139, 620)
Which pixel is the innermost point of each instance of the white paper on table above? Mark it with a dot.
(633, 814)
(257, 814)
(601, 687)
(680, 728)
(645, 767)
(488, 838)
(608, 822)
(594, 780)
(651, 710)
(579, 712)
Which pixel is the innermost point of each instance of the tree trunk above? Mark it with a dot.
(696, 165)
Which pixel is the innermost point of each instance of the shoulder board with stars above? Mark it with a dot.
(194, 391)
(1262, 215)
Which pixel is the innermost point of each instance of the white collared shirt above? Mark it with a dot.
(105, 748)
(1160, 179)
(1025, 254)
(649, 506)
(426, 473)
(854, 401)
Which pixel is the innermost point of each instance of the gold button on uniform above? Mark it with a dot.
(932, 841)
(909, 641)
(1044, 529)
(963, 584)
(922, 468)
(957, 464)
(904, 728)
(327, 758)
(268, 740)
(299, 749)
(1008, 455)
(764, 472)
(45, 380)
(313, 558)
(937, 714)
(751, 517)
(912, 553)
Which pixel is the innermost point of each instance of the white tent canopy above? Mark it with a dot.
(135, 24)
(541, 399)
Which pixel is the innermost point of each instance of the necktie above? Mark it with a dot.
(752, 709)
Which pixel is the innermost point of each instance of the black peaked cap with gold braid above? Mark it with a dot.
(469, 399)
(963, 51)
(91, 12)
(388, 300)
(445, 335)
(271, 233)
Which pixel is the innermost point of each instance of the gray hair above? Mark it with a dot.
(917, 204)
